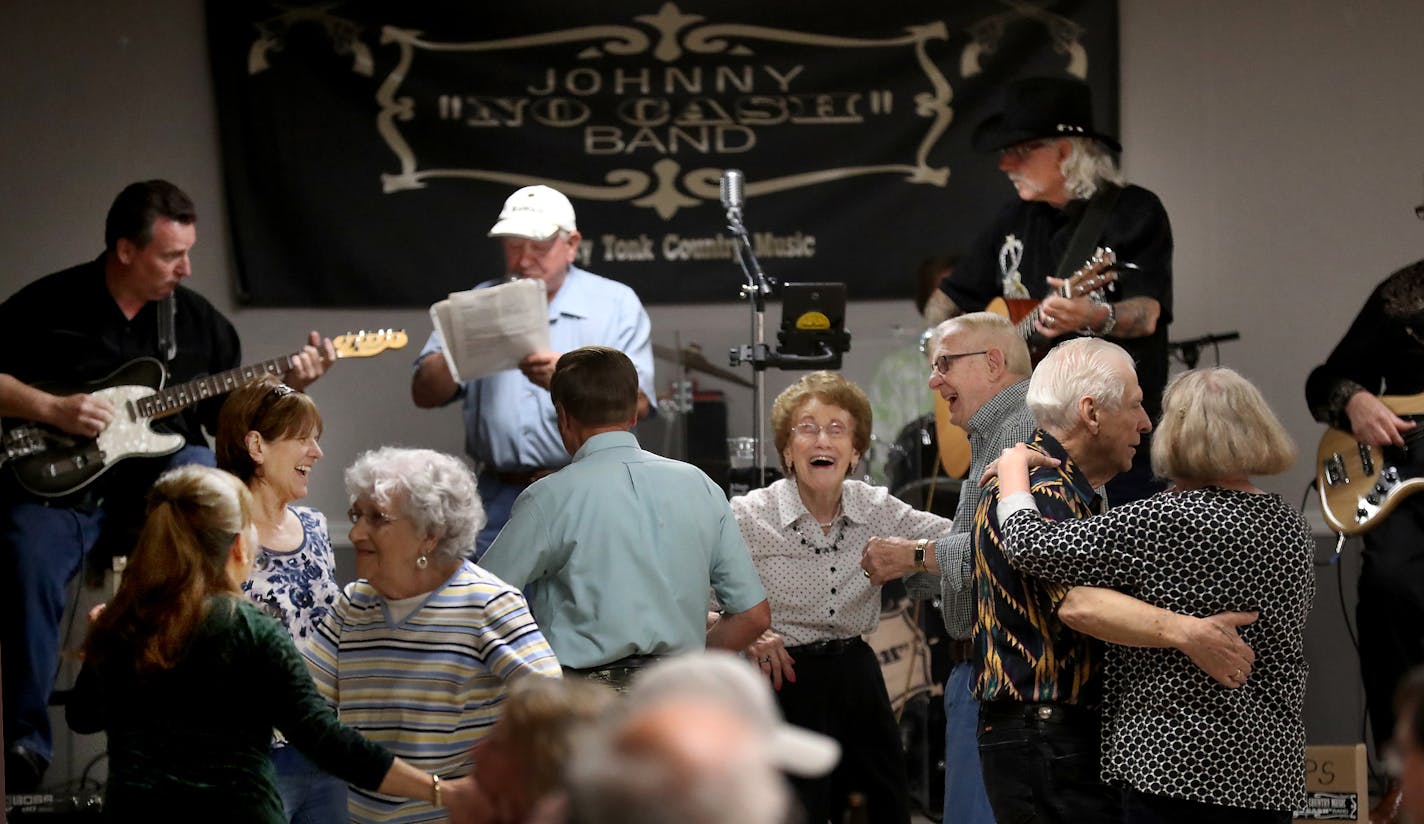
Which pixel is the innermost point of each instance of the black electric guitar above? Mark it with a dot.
(1361, 484)
(50, 462)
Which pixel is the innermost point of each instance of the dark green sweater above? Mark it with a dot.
(192, 742)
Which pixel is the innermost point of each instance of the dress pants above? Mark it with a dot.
(1145, 808)
(843, 695)
(1391, 610)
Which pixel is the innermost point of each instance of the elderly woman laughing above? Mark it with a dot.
(419, 653)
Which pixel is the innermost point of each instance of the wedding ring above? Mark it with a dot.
(1048, 320)
(765, 660)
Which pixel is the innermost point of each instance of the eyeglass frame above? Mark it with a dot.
(949, 361)
(814, 430)
(373, 519)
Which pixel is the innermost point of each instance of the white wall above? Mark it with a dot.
(1286, 138)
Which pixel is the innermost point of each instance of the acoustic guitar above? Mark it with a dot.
(1091, 278)
(1361, 484)
(50, 462)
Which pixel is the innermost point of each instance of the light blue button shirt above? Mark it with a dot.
(618, 550)
(510, 423)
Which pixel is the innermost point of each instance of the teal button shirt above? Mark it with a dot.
(617, 552)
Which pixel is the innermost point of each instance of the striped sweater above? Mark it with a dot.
(430, 686)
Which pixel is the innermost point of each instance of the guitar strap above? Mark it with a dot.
(1089, 230)
(167, 321)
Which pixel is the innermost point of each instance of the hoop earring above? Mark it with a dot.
(422, 562)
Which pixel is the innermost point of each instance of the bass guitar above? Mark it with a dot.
(1361, 484)
(50, 462)
(1094, 276)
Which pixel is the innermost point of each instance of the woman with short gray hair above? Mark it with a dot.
(420, 651)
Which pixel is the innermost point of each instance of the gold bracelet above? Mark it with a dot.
(435, 786)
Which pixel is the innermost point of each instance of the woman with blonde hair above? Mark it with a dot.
(1185, 747)
(188, 679)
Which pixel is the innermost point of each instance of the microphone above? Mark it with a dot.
(732, 199)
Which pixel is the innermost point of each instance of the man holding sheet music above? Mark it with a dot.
(511, 429)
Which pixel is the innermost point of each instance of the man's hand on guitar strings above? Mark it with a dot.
(1373, 423)
(85, 415)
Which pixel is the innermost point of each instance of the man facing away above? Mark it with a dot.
(510, 428)
(616, 551)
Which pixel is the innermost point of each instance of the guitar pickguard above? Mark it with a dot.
(130, 435)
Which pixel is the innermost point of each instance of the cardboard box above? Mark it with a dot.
(1336, 787)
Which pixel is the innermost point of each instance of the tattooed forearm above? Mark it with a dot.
(1136, 317)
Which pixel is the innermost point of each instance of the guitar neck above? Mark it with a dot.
(174, 399)
(1026, 323)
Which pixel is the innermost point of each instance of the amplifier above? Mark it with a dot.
(53, 807)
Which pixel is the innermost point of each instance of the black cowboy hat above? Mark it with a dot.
(1039, 107)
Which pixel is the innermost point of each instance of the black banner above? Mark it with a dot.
(368, 146)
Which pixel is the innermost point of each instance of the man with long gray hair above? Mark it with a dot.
(1071, 199)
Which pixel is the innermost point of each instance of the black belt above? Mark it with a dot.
(959, 650)
(617, 670)
(523, 477)
(835, 646)
(1046, 712)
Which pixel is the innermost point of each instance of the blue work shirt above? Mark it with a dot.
(510, 423)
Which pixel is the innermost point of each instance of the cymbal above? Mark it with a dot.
(691, 357)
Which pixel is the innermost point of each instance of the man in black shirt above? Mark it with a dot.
(67, 329)
(1061, 166)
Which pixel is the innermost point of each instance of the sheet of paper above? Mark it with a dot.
(493, 329)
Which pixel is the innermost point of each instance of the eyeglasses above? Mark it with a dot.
(835, 430)
(374, 519)
(1023, 150)
(943, 362)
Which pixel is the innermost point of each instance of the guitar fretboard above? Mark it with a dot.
(175, 398)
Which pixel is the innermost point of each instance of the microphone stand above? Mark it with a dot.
(755, 290)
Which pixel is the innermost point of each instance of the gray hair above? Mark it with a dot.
(989, 330)
(437, 492)
(1076, 369)
(614, 780)
(1087, 167)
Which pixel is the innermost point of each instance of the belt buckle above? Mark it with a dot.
(1044, 713)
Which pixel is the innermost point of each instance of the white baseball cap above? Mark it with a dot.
(535, 212)
(731, 682)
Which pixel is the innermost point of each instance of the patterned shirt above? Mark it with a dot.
(1023, 652)
(813, 580)
(999, 424)
(1197, 553)
(429, 687)
(298, 586)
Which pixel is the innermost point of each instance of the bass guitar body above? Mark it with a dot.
(1361, 484)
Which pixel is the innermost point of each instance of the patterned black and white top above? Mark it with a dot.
(1168, 728)
(813, 580)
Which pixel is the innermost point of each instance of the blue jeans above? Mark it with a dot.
(309, 795)
(41, 549)
(964, 797)
(498, 499)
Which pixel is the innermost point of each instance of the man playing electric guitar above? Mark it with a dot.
(1071, 201)
(71, 327)
(1383, 351)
